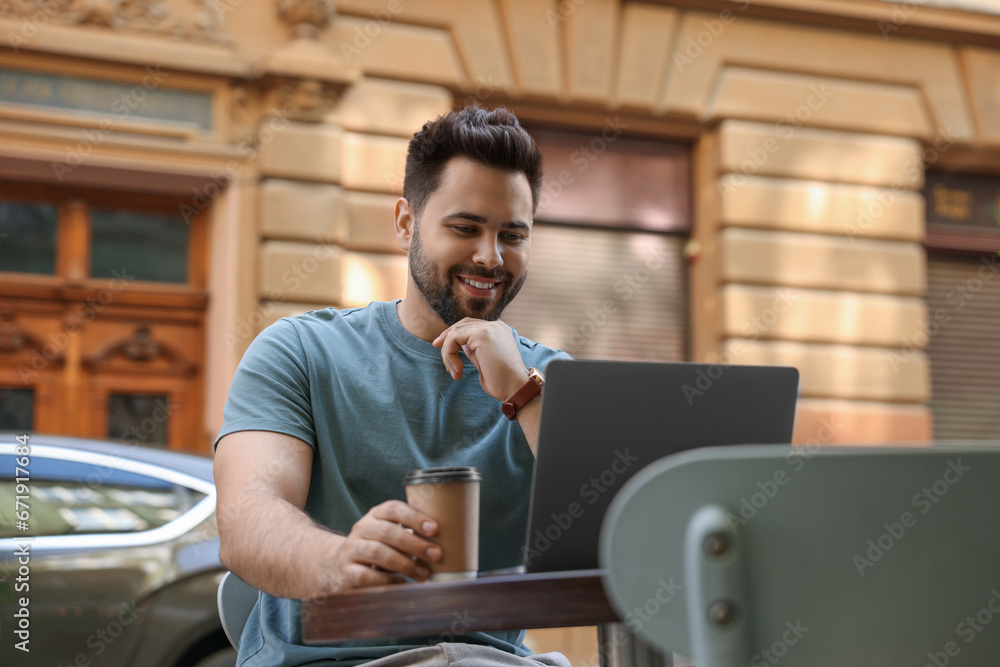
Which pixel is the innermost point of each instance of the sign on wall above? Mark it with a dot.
(145, 100)
(962, 203)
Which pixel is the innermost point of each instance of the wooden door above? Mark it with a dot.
(102, 308)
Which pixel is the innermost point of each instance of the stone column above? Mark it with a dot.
(300, 211)
(810, 256)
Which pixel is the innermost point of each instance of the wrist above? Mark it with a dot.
(525, 394)
(517, 382)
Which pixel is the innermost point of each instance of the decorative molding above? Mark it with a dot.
(923, 81)
(16, 340)
(306, 17)
(243, 105)
(303, 100)
(691, 62)
(286, 98)
(190, 20)
(301, 79)
(926, 19)
(142, 348)
(306, 59)
(13, 338)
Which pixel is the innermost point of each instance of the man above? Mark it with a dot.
(328, 410)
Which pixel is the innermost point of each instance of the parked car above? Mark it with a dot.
(123, 565)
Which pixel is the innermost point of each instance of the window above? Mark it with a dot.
(28, 237)
(78, 234)
(150, 246)
(963, 304)
(17, 409)
(601, 294)
(73, 498)
(608, 279)
(963, 310)
(126, 411)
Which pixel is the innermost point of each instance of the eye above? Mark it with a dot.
(464, 229)
(511, 237)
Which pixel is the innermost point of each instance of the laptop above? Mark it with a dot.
(603, 421)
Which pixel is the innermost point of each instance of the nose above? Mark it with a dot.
(488, 252)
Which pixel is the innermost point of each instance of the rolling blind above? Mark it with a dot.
(963, 304)
(602, 294)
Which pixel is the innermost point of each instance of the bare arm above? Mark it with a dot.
(528, 418)
(262, 479)
(490, 346)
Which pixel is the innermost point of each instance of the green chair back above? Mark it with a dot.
(767, 555)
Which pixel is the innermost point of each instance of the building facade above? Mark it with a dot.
(177, 175)
(802, 182)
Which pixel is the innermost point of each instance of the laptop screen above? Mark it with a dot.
(603, 421)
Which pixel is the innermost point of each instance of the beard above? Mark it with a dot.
(440, 292)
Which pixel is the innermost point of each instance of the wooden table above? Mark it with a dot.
(506, 602)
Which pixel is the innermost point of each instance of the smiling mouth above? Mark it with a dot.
(478, 284)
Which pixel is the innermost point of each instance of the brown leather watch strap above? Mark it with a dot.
(521, 397)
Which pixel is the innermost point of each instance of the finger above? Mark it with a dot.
(374, 553)
(403, 527)
(401, 539)
(399, 512)
(451, 345)
(356, 575)
(441, 336)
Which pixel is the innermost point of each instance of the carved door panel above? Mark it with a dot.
(32, 364)
(142, 389)
(22, 405)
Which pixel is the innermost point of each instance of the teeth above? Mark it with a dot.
(479, 285)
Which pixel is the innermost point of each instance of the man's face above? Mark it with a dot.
(469, 249)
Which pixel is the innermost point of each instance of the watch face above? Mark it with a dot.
(537, 376)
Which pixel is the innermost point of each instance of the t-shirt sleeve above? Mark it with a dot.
(552, 355)
(270, 390)
(539, 356)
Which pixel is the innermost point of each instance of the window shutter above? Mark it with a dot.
(602, 294)
(963, 306)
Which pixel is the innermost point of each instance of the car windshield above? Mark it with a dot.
(73, 497)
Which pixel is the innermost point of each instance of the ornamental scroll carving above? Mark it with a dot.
(37, 352)
(306, 17)
(142, 347)
(305, 100)
(243, 103)
(188, 20)
(13, 339)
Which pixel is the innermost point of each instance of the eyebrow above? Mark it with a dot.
(472, 217)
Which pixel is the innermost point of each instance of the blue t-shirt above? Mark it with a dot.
(374, 401)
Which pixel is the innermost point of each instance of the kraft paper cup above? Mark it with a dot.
(451, 497)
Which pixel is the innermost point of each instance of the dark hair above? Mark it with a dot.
(494, 138)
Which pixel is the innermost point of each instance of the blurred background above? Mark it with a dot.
(805, 182)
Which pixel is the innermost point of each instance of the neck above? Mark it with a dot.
(417, 317)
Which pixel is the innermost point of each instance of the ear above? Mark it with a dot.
(404, 221)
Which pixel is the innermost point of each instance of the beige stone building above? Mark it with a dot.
(799, 182)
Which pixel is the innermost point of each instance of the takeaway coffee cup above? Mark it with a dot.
(451, 497)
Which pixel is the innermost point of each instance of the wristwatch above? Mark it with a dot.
(521, 397)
